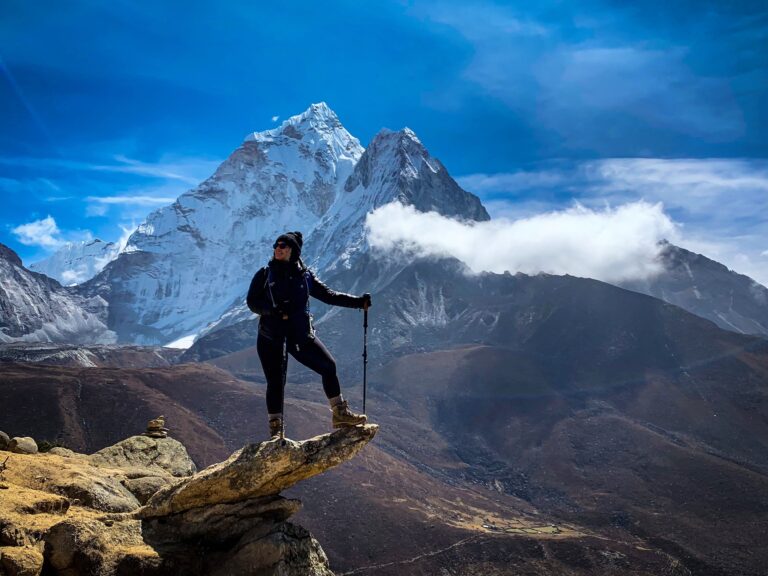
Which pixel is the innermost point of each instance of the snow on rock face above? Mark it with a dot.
(187, 268)
(192, 261)
(76, 262)
(35, 308)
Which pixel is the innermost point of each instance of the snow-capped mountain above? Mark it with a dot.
(76, 262)
(36, 308)
(188, 266)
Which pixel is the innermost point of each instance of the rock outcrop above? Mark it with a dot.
(73, 514)
(260, 470)
(162, 455)
(22, 445)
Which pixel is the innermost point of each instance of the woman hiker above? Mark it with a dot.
(279, 293)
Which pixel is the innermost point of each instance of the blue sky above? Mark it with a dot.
(110, 109)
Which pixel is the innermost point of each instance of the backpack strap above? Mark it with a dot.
(268, 284)
(308, 283)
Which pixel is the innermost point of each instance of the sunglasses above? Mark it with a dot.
(280, 245)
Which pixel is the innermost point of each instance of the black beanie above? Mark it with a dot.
(295, 240)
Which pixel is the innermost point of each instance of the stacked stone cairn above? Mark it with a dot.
(156, 428)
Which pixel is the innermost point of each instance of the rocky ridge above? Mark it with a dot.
(35, 308)
(704, 287)
(88, 356)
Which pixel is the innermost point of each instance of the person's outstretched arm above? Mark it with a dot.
(324, 294)
(258, 298)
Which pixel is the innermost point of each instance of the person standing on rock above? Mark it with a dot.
(279, 293)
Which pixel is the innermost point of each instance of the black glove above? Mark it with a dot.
(365, 301)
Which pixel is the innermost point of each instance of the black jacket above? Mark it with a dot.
(284, 288)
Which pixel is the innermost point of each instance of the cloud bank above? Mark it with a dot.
(609, 244)
(42, 232)
(721, 204)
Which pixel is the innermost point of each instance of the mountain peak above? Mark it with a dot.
(404, 135)
(317, 118)
(401, 151)
(320, 110)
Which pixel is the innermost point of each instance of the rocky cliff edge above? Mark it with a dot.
(138, 507)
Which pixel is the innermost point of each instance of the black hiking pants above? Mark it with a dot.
(312, 353)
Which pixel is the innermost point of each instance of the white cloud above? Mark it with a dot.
(190, 170)
(43, 233)
(75, 276)
(714, 188)
(134, 200)
(611, 244)
(275, 118)
(127, 231)
(131, 205)
(721, 204)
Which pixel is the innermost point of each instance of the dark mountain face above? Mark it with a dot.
(34, 307)
(708, 289)
(581, 326)
(691, 281)
(431, 305)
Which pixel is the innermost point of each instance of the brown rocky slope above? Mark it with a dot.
(393, 508)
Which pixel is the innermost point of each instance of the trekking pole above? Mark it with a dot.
(365, 353)
(285, 376)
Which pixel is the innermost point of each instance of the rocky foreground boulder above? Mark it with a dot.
(72, 514)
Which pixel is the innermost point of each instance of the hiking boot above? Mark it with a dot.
(343, 416)
(275, 426)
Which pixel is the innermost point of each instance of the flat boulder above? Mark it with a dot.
(163, 455)
(98, 492)
(259, 470)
